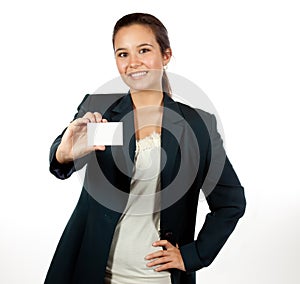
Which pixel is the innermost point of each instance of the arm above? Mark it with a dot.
(61, 171)
(70, 151)
(226, 200)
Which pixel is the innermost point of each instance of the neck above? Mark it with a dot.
(146, 98)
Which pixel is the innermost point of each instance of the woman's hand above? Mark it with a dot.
(74, 141)
(166, 259)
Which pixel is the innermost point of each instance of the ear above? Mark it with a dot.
(167, 56)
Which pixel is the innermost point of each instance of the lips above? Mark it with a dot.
(138, 75)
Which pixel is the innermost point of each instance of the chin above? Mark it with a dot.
(142, 86)
(145, 84)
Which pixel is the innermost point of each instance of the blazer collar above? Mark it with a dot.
(174, 114)
(126, 105)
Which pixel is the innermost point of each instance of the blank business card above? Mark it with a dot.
(108, 133)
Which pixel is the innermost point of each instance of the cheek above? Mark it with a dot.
(156, 63)
(121, 66)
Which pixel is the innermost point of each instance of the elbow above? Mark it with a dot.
(237, 208)
(242, 204)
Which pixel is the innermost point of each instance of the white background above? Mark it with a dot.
(243, 54)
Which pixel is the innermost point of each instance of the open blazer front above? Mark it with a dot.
(192, 157)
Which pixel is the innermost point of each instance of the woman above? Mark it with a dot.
(135, 218)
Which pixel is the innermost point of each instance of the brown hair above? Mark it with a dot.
(158, 29)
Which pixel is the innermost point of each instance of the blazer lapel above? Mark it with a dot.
(171, 136)
(123, 112)
(172, 130)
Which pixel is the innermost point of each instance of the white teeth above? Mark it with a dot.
(138, 74)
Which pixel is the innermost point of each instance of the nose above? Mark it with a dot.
(134, 61)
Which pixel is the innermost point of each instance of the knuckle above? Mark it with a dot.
(74, 122)
(88, 113)
(167, 266)
(97, 113)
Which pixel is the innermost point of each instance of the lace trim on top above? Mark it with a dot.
(148, 142)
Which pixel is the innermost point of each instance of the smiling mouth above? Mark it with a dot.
(138, 75)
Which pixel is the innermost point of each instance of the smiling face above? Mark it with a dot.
(139, 58)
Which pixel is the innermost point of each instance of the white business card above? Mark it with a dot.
(106, 133)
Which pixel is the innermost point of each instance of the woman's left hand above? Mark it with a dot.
(168, 258)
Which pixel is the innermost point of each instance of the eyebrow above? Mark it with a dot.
(140, 45)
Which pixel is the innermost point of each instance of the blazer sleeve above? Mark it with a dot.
(63, 171)
(226, 201)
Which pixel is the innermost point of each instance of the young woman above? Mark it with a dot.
(135, 218)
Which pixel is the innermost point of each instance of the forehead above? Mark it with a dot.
(134, 35)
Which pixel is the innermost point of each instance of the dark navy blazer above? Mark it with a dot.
(193, 158)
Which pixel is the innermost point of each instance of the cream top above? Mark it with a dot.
(138, 227)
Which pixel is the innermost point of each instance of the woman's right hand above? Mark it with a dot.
(74, 141)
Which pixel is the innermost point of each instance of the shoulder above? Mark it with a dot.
(195, 115)
(99, 102)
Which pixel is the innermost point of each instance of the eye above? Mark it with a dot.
(144, 50)
(122, 54)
